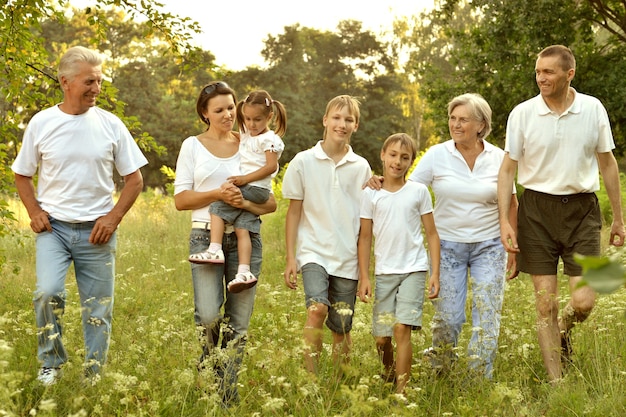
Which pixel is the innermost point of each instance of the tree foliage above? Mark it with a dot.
(484, 46)
(307, 67)
(490, 47)
(33, 35)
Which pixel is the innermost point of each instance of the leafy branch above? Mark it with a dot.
(605, 274)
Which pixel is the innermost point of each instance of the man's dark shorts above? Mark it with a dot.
(553, 226)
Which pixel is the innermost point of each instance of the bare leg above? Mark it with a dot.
(404, 355)
(384, 348)
(217, 229)
(575, 311)
(213, 253)
(342, 345)
(316, 314)
(244, 245)
(547, 324)
(579, 306)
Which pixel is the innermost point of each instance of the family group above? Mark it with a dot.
(475, 236)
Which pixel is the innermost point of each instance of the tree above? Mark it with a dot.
(308, 67)
(610, 15)
(490, 47)
(28, 59)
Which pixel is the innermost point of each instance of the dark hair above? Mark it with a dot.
(263, 98)
(405, 140)
(209, 91)
(565, 55)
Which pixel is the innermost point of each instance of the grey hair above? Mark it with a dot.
(68, 67)
(478, 107)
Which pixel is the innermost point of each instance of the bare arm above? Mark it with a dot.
(511, 266)
(259, 209)
(364, 249)
(434, 247)
(610, 176)
(106, 225)
(271, 164)
(292, 220)
(192, 200)
(39, 221)
(506, 176)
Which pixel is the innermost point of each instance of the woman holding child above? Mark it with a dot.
(205, 162)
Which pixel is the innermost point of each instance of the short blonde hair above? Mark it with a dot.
(342, 101)
(405, 141)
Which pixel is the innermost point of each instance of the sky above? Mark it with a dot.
(236, 36)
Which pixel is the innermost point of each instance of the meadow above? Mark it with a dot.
(152, 360)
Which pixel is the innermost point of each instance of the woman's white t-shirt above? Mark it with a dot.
(466, 200)
(197, 169)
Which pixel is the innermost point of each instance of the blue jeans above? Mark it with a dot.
(94, 266)
(210, 297)
(486, 263)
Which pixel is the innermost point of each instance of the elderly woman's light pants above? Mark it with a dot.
(479, 268)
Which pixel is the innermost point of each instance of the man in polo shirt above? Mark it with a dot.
(556, 142)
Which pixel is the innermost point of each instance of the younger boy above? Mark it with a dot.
(324, 186)
(394, 215)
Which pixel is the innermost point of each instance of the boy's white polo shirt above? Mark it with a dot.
(331, 196)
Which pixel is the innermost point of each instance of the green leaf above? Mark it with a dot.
(591, 262)
(602, 274)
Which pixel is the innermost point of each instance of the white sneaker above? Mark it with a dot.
(49, 376)
(242, 281)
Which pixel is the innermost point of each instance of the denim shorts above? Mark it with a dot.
(398, 299)
(240, 218)
(339, 294)
(551, 226)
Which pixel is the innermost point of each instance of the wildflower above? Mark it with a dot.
(47, 405)
(94, 321)
(273, 404)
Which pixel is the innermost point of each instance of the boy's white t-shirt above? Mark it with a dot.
(331, 196)
(252, 150)
(397, 227)
(74, 156)
(197, 169)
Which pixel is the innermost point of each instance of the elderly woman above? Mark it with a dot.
(462, 173)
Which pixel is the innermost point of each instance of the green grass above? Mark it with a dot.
(151, 368)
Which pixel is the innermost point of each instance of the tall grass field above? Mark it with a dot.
(152, 361)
